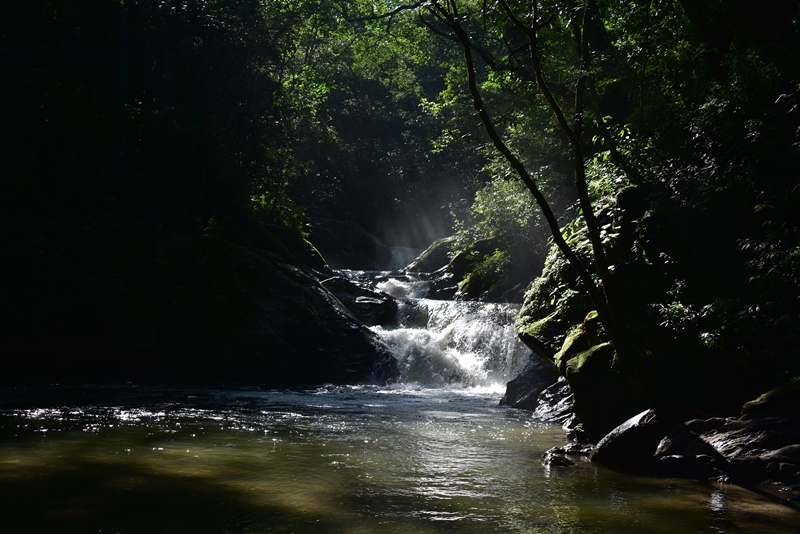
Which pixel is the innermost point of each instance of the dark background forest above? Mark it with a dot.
(168, 164)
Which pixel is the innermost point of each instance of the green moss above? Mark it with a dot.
(574, 343)
(436, 256)
(788, 392)
(595, 360)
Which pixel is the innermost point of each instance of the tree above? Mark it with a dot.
(456, 17)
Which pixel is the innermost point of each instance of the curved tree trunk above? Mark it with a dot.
(602, 295)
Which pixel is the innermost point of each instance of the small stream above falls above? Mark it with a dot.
(446, 342)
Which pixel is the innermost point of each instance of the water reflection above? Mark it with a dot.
(323, 460)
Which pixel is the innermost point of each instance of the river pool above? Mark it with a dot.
(335, 459)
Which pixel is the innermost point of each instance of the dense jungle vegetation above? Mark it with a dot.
(639, 158)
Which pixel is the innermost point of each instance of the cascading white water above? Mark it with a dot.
(451, 342)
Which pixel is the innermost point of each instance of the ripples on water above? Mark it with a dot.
(331, 459)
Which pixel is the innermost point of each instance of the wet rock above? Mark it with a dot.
(705, 425)
(371, 307)
(632, 443)
(444, 284)
(699, 467)
(676, 441)
(556, 458)
(567, 455)
(524, 390)
(555, 404)
(760, 447)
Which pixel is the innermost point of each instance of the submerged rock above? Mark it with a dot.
(567, 455)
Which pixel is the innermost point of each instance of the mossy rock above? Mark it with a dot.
(550, 307)
(595, 333)
(574, 343)
(436, 256)
(603, 396)
(786, 394)
(540, 334)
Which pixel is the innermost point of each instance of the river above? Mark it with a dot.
(431, 453)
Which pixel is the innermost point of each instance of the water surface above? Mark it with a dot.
(329, 459)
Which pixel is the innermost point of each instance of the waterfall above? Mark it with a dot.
(439, 342)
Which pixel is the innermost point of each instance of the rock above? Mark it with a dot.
(676, 466)
(524, 390)
(786, 394)
(704, 425)
(560, 456)
(435, 257)
(574, 343)
(552, 304)
(593, 328)
(371, 307)
(202, 309)
(346, 245)
(302, 333)
(444, 284)
(761, 446)
(603, 395)
(555, 404)
(680, 440)
(676, 441)
(556, 458)
(540, 335)
(631, 444)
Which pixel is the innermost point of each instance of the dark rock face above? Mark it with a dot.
(760, 447)
(371, 307)
(203, 309)
(603, 396)
(632, 443)
(555, 404)
(299, 332)
(346, 245)
(524, 390)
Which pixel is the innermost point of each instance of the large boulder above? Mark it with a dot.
(370, 306)
(762, 444)
(603, 392)
(436, 256)
(523, 391)
(632, 443)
